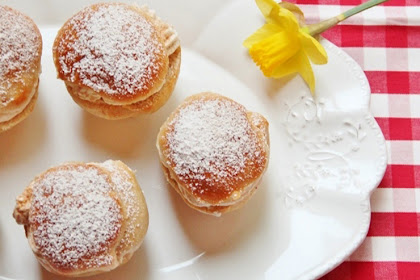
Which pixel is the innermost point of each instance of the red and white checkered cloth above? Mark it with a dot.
(385, 41)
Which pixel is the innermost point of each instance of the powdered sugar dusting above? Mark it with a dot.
(74, 216)
(124, 187)
(19, 48)
(211, 143)
(111, 49)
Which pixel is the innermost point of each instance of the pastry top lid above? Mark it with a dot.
(75, 218)
(115, 50)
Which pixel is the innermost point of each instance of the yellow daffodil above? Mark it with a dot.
(281, 47)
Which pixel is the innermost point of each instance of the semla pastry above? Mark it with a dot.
(118, 60)
(214, 152)
(82, 219)
(20, 66)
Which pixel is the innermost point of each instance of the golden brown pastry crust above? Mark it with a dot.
(95, 212)
(214, 152)
(20, 66)
(136, 78)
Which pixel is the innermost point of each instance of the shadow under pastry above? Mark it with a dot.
(122, 138)
(128, 138)
(216, 235)
(22, 141)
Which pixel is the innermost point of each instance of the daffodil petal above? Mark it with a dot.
(296, 11)
(291, 66)
(305, 70)
(291, 7)
(313, 49)
(268, 8)
(265, 31)
(297, 64)
(288, 20)
(275, 14)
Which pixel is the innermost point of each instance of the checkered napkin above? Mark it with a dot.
(385, 41)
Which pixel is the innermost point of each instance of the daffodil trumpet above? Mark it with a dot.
(284, 45)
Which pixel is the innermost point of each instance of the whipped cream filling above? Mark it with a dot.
(90, 95)
(171, 36)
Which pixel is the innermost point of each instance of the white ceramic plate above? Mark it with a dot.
(312, 209)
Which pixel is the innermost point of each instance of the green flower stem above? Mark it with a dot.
(362, 7)
(318, 28)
